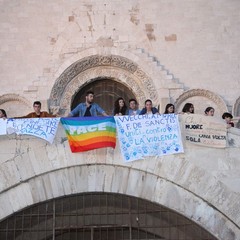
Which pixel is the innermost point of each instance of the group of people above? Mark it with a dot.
(89, 108)
(120, 108)
(209, 111)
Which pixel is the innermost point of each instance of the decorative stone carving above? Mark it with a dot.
(13, 97)
(117, 75)
(141, 75)
(217, 100)
(15, 105)
(236, 107)
(89, 68)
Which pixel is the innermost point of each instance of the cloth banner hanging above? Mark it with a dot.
(44, 128)
(148, 135)
(204, 130)
(3, 126)
(88, 133)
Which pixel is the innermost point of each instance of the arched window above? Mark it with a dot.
(100, 216)
(106, 91)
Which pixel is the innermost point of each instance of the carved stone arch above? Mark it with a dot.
(201, 99)
(117, 75)
(236, 108)
(13, 97)
(113, 67)
(107, 178)
(14, 104)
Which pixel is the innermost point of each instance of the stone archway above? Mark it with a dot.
(15, 105)
(113, 67)
(100, 215)
(121, 180)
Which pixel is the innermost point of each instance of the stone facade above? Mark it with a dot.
(201, 184)
(169, 51)
(177, 46)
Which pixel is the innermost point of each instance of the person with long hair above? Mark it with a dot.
(148, 109)
(3, 113)
(188, 108)
(170, 108)
(120, 107)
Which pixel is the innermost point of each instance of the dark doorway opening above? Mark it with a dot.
(106, 92)
(100, 216)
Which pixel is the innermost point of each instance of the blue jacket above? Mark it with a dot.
(80, 110)
(144, 111)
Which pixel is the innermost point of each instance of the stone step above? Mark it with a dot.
(158, 67)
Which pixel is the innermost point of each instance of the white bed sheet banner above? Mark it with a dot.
(148, 135)
(3, 126)
(45, 128)
(204, 130)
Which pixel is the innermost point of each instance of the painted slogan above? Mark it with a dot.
(44, 128)
(204, 130)
(148, 135)
(3, 126)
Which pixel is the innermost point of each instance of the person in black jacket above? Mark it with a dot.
(148, 109)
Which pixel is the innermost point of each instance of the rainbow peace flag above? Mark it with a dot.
(87, 133)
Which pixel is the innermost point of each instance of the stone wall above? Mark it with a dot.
(202, 183)
(196, 43)
(172, 50)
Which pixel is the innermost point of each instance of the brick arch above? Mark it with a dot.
(113, 67)
(122, 180)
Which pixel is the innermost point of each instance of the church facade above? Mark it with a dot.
(167, 51)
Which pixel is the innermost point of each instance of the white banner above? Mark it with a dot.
(3, 126)
(148, 135)
(44, 128)
(204, 130)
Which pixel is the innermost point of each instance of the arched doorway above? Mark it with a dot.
(106, 91)
(100, 216)
(100, 67)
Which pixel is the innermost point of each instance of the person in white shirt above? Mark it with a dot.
(133, 107)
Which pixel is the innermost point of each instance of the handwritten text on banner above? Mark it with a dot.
(3, 125)
(148, 135)
(44, 128)
(204, 130)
